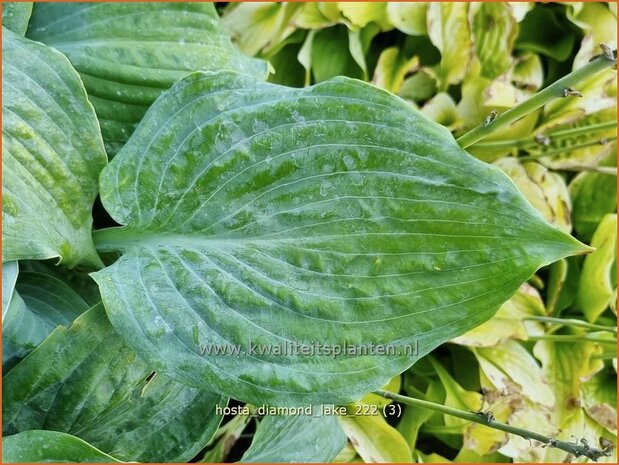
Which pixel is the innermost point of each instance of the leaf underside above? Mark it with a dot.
(259, 214)
(127, 54)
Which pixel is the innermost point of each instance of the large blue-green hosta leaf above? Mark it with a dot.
(336, 214)
(52, 154)
(129, 53)
(50, 446)
(15, 16)
(85, 381)
(39, 304)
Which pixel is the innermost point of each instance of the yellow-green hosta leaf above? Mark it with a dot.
(15, 16)
(442, 109)
(84, 381)
(50, 446)
(259, 27)
(528, 72)
(262, 216)
(408, 17)
(449, 31)
(394, 385)
(494, 31)
(588, 149)
(510, 363)
(508, 322)
(599, 25)
(392, 68)
(375, 440)
(296, 438)
(52, 154)
(360, 14)
(127, 54)
(545, 190)
(566, 366)
(597, 279)
(594, 195)
(534, 417)
(456, 396)
(600, 399)
(38, 305)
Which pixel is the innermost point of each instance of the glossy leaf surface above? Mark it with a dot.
(84, 381)
(259, 215)
(129, 53)
(52, 154)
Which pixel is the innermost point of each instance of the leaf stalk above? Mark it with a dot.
(577, 449)
(545, 96)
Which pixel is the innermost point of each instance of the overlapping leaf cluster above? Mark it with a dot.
(255, 211)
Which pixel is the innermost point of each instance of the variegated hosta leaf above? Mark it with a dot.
(38, 305)
(50, 446)
(52, 154)
(129, 53)
(508, 323)
(449, 31)
(545, 190)
(295, 438)
(259, 215)
(494, 32)
(594, 195)
(510, 366)
(84, 381)
(408, 17)
(375, 440)
(598, 281)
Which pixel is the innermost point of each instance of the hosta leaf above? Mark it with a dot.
(408, 17)
(494, 31)
(10, 270)
(508, 322)
(259, 214)
(375, 440)
(15, 16)
(544, 30)
(545, 190)
(449, 30)
(600, 399)
(77, 279)
(598, 278)
(594, 195)
(510, 363)
(50, 446)
(360, 14)
(39, 304)
(224, 439)
(129, 53)
(84, 381)
(52, 154)
(392, 68)
(296, 438)
(261, 26)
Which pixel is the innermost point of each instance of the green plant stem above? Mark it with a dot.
(575, 448)
(529, 141)
(559, 151)
(569, 338)
(571, 322)
(545, 96)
